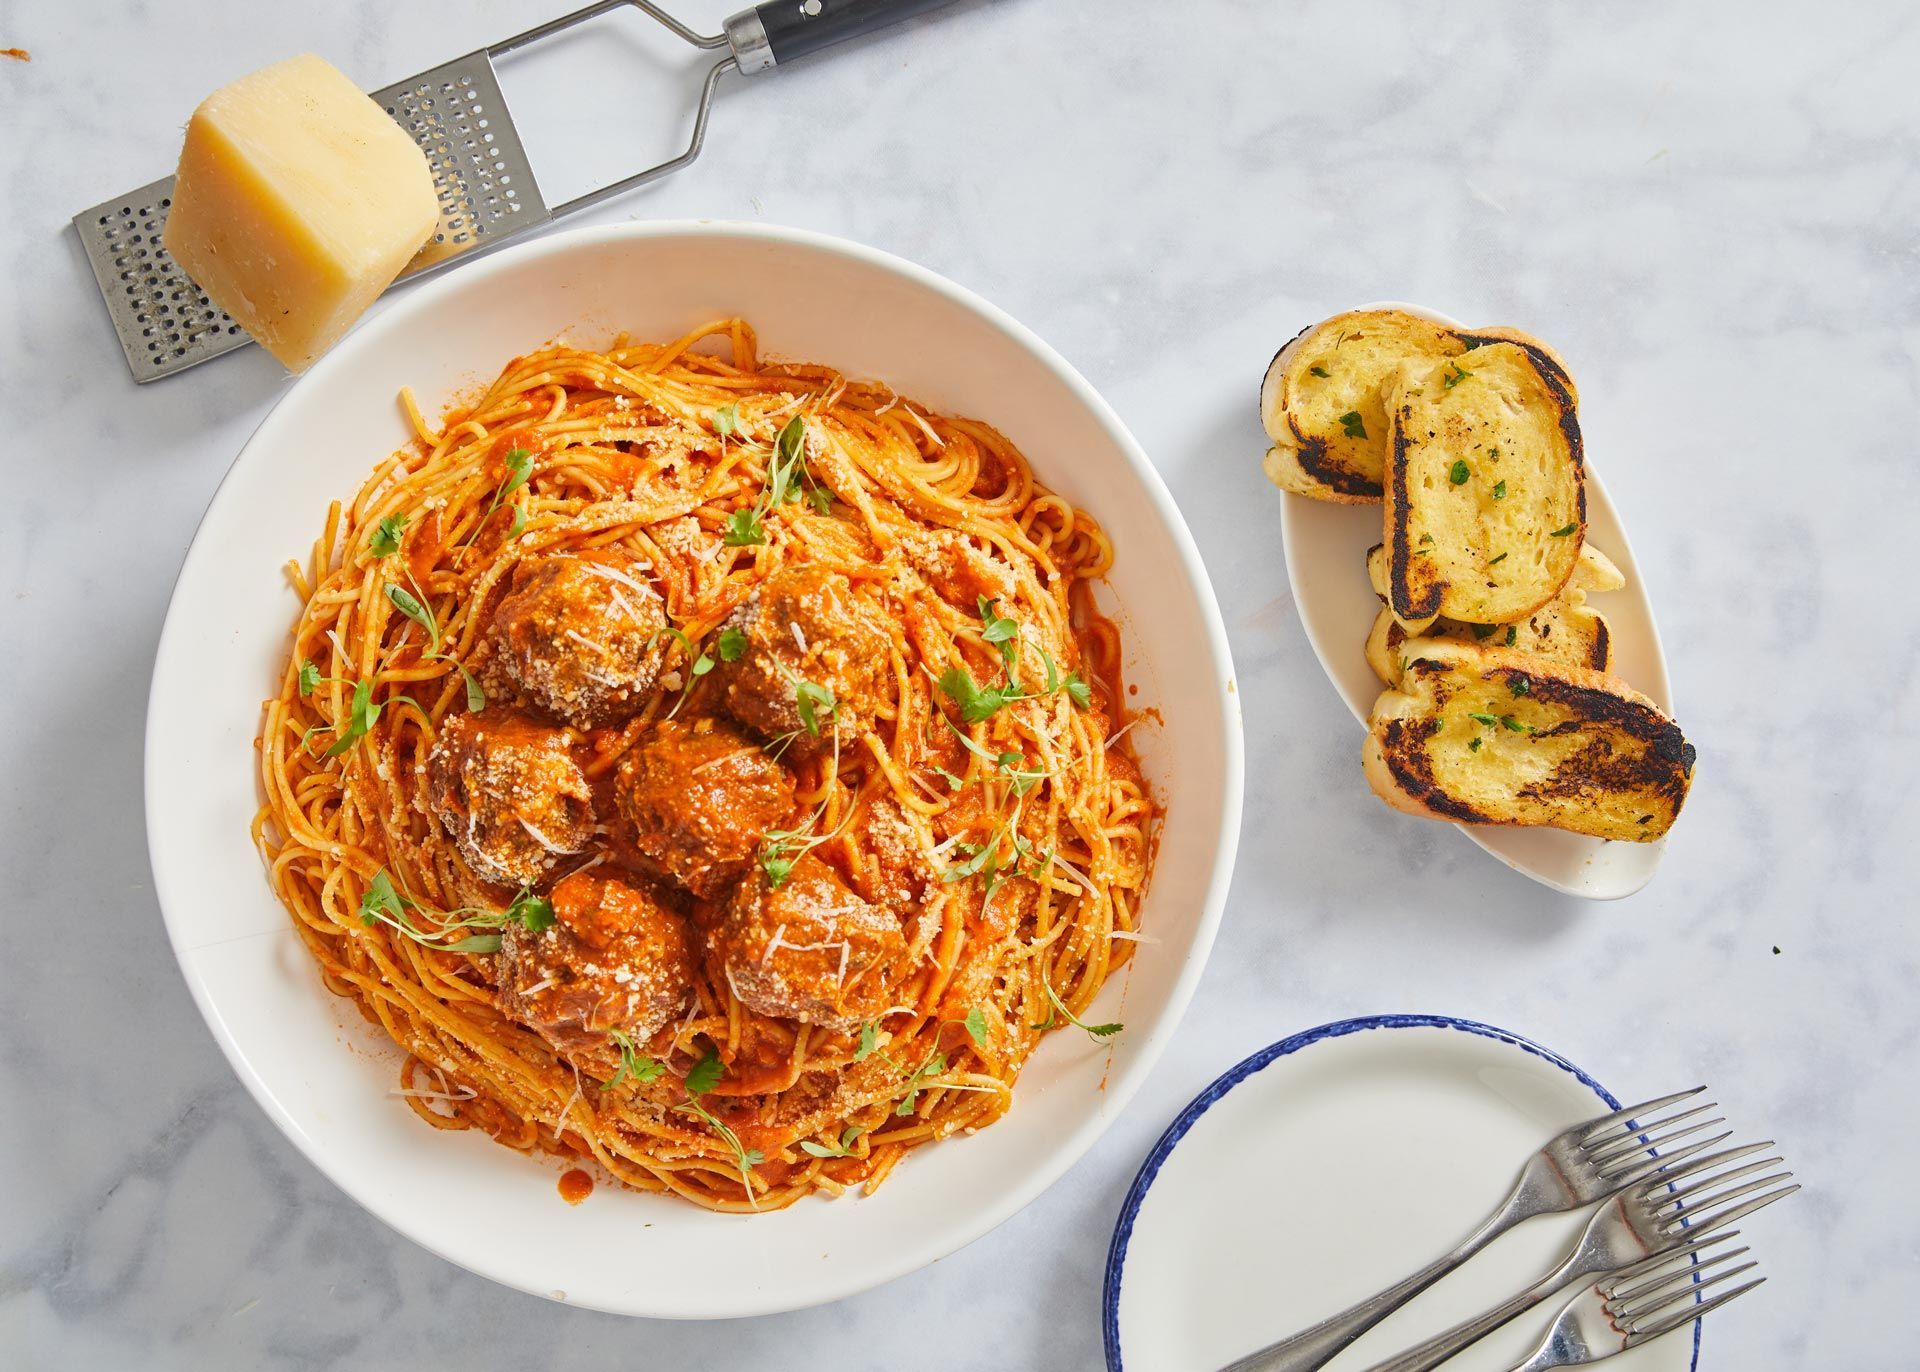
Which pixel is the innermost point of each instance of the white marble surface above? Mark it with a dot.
(1710, 209)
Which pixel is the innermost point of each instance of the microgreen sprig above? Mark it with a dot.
(383, 903)
(842, 1149)
(1096, 1032)
(410, 605)
(703, 1078)
(633, 1062)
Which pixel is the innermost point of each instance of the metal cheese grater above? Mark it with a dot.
(488, 193)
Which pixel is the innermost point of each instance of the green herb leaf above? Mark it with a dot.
(977, 1026)
(809, 698)
(1000, 631)
(633, 1062)
(1510, 722)
(1512, 637)
(1562, 533)
(1317, 370)
(726, 420)
(1459, 472)
(519, 520)
(384, 541)
(1093, 1031)
(1500, 489)
(475, 943)
(743, 529)
(1483, 630)
(1496, 561)
(1458, 375)
(1472, 343)
(977, 703)
(706, 1074)
(519, 469)
(1352, 425)
(405, 602)
(380, 898)
(1519, 685)
(732, 644)
(309, 678)
(532, 913)
(1474, 745)
(954, 783)
(476, 698)
(1488, 720)
(1425, 539)
(869, 1039)
(361, 716)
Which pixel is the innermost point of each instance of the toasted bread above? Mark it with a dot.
(1564, 630)
(1486, 502)
(1490, 736)
(1322, 405)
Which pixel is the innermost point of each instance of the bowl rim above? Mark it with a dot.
(173, 894)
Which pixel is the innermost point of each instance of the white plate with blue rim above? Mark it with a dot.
(1329, 1166)
(1326, 549)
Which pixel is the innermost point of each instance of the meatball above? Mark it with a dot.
(580, 635)
(614, 958)
(808, 949)
(891, 865)
(807, 625)
(959, 573)
(691, 802)
(509, 794)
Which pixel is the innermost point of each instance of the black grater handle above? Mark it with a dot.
(795, 28)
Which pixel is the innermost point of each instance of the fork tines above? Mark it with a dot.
(1692, 1206)
(1620, 1145)
(1672, 1295)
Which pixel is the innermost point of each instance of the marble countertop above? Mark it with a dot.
(1709, 209)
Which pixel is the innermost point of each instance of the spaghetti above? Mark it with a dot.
(944, 856)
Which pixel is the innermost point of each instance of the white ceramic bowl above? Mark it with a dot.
(1326, 563)
(324, 1076)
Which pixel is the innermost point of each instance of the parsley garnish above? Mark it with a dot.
(732, 644)
(1458, 472)
(977, 1026)
(381, 903)
(1562, 533)
(519, 470)
(633, 1062)
(703, 1078)
(1483, 630)
(1496, 561)
(1489, 720)
(810, 697)
(977, 703)
(1096, 1032)
(1510, 722)
(385, 538)
(1317, 370)
(1474, 746)
(743, 528)
(1077, 690)
(1460, 374)
(1000, 631)
(1352, 425)
(698, 663)
(1008, 763)
(1513, 634)
(409, 605)
(1519, 685)
(1500, 489)
(869, 1040)
(844, 1148)
(362, 714)
(788, 461)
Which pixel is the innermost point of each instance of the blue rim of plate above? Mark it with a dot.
(1239, 1072)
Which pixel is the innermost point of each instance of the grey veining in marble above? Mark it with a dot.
(1711, 210)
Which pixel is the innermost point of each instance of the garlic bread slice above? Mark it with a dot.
(1491, 736)
(1486, 504)
(1322, 406)
(1565, 630)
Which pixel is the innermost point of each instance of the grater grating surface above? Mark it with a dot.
(488, 195)
(487, 192)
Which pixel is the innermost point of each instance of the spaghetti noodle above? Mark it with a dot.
(925, 844)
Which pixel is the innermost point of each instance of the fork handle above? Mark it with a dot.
(1436, 1350)
(1316, 1347)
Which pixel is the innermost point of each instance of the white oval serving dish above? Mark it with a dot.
(1326, 550)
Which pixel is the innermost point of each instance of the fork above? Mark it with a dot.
(1577, 1167)
(1665, 1217)
(1623, 1311)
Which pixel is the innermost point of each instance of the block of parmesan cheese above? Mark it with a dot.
(298, 200)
